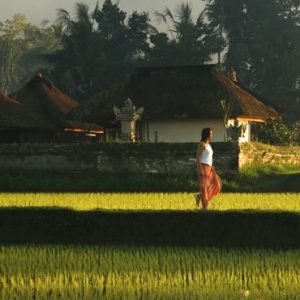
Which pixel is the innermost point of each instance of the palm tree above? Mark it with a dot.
(83, 21)
(178, 23)
(188, 35)
(81, 45)
(99, 47)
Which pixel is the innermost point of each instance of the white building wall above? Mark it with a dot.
(181, 131)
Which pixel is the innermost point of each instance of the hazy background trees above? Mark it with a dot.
(23, 47)
(98, 46)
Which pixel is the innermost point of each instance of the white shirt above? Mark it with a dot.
(206, 156)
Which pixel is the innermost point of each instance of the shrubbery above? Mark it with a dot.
(277, 133)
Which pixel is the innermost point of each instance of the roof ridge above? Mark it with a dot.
(230, 86)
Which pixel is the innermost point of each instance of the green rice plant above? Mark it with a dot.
(86, 272)
(107, 272)
(152, 201)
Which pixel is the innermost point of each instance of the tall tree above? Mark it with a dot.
(76, 64)
(111, 22)
(263, 44)
(186, 43)
(10, 52)
(228, 27)
(126, 39)
(99, 47)
(22, 47)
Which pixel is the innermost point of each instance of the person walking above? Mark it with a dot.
(209, 181)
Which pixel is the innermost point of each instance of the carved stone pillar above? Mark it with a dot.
(236, 131)
(128, 115)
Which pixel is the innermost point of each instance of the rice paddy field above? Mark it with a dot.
(152, 201)
(149, 246)
(58, 272)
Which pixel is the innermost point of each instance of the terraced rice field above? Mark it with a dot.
(54, 271)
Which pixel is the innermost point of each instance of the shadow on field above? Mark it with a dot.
(275, 183)
(216, 229)
(95, 182)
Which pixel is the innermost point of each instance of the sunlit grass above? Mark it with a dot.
(151, 201)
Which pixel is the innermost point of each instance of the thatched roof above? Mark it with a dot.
(245, 102)
(14, 116)
(41, 96)
(175, 92)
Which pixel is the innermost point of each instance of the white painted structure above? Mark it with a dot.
(180, 131)
(187, 131)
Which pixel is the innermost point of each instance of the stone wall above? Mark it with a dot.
(138, 158)
(149, 158)
(263, 154)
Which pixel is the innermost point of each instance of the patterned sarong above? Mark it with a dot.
(210, 184)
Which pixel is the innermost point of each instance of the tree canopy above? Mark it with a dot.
(99, 47)
(23, 47)
(262, 45)
(89, 51)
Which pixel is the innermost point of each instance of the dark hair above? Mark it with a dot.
(205, 134)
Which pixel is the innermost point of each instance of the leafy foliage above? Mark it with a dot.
(99, 47)
(22, 50)
(187, 43)
(277, 133)
(262, 45)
